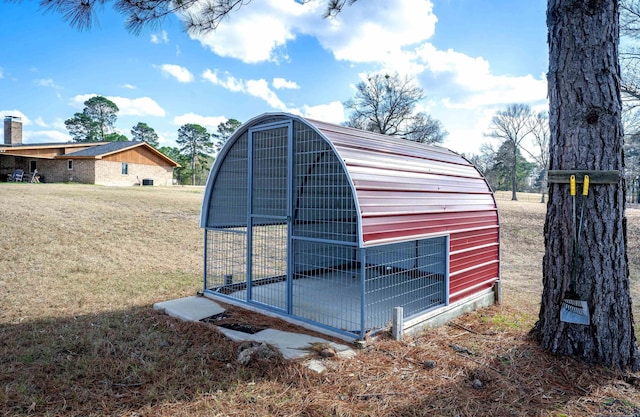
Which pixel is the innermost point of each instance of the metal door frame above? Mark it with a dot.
(288, 124)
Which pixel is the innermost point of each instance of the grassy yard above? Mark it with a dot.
(81, 266)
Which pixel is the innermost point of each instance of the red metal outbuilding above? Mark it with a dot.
(348, 202)
(407, 190)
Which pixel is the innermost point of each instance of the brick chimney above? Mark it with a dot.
(12, 130)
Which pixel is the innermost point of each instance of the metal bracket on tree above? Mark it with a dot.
(595, 177)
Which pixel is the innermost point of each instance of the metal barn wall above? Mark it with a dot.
(407, 190)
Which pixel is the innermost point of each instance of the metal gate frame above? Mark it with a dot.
(286, 218)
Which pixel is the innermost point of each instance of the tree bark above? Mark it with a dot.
(586, 134)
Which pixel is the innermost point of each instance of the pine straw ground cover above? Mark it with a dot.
(80, 267)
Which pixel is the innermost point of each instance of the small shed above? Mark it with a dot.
(335, 227)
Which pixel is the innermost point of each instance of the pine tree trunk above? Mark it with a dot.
(586, 134)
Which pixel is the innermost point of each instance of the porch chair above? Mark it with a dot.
(35, 177)
(16, 176)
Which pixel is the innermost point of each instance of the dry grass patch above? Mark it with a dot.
(80, 267)
(76, 249)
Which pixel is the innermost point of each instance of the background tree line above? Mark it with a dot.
(517, 164)
(194, 153)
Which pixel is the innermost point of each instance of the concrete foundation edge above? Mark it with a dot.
(280, 316)
(444, 315)
(412, 326)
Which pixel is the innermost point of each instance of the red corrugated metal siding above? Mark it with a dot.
(407, 190)
(386, 228)
(475, 280)
(473, 238)
(371, 178)
(468, 259)
(399, 202)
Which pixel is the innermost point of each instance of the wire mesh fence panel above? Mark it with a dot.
(411, 275)
(226, 239)
(269, 174)
(327, 285)
(269, 217)
(229, 200)
(226, 261)
(269, 264)
(323, 206)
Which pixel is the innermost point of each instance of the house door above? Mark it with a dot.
(269, 280)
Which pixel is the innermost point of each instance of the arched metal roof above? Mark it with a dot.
(406, 189)
(403, 189)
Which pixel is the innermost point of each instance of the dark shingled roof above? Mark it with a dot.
(107, 148)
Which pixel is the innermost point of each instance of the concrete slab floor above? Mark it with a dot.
(189, 308)
(291, 345)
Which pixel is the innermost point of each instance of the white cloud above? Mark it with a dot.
(331, 113)
(181, 74)
(391, 36)
(78, 100)
(360, 33)
(209, 122)
(466, 127)
(40, 122)
(380, 30)
(227, 81)
(1, 73)
(473, 78)
(260, 88)
(45, 136)
(256, 34)
(256, 88)
(279, 83)
(48, 82)
(129, 86)
(166, 138)
(38, 136)
(16, 113)
(143, 106)
(161, 37)
(58, 124)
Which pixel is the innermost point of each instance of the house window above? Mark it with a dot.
(33, 166)
(70, 164)
(125, 168)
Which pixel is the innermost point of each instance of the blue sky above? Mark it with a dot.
(471, 57)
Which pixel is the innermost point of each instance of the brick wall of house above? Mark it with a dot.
(8, 164)
(89, 171)
(56, 170)
(110, 173)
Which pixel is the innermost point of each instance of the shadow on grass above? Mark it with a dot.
(111, 364)
(142, 362)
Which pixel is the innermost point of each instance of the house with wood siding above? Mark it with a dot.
(104, 163)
